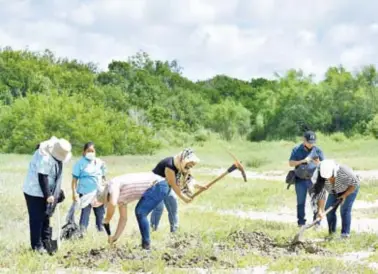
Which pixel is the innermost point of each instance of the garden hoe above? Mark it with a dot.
(237, 165)
(299, 236)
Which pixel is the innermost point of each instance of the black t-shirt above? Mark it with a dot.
(166, 162)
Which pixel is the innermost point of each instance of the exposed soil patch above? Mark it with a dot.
(97, 256)
(181, 255)
(258, 241)
(188, 251)
(194, 260)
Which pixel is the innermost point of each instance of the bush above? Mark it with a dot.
(338, 137)
(77, 118)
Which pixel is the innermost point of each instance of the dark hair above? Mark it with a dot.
(37, 146)
(88, 145)
(319, 185)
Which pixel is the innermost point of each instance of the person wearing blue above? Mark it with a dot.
(88, 173)
(169, 172)
(171, 203)
(305, 158)
(42, 189)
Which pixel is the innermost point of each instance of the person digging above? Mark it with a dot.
(120, 192)
(341, 183)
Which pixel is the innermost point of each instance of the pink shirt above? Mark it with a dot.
(130, 187)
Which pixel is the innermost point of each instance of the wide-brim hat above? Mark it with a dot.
(60, 149)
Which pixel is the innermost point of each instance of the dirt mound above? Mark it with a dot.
(188, 251)
(184, 241)
(180, 254)
(95, 257)
(244, 241)
(194, 260)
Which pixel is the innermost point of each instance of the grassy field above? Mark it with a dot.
(206, 240)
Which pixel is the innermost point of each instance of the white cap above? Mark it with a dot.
(328, 168)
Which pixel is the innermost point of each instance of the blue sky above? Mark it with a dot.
(240, 38)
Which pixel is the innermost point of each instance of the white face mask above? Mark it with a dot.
(90, 156)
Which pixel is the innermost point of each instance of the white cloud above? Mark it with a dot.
(241, 38)
(83, 15)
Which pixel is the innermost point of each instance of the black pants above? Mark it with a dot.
(39, 223)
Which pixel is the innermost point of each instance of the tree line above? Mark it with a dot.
(139, 105)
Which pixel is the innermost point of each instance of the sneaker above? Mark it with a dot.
(344, 236)
(40, 250)
(146, 246)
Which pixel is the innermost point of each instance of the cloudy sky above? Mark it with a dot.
(241, 38)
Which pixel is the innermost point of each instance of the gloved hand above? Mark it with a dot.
(107, 228)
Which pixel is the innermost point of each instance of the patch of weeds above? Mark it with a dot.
(357, 242)
(256, 162)
(373, 258)
(316, 265)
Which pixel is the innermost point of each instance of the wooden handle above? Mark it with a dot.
(229, 170)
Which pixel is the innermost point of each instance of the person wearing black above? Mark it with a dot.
(42, 188)
(171, 172)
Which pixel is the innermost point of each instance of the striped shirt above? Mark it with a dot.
(130, 187)
(345, 177)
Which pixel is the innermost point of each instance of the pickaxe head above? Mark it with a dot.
(238, 166)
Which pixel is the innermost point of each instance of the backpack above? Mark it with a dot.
(305, 171)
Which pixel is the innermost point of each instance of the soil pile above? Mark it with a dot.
(258, 241)
(180, 254)
(94, 257)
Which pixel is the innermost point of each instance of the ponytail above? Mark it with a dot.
(320, 182)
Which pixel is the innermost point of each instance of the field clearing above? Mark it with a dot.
(208, 237)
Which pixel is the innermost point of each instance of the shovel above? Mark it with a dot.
(51, 245)
(299, 235)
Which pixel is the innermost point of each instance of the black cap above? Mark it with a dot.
(310, 137)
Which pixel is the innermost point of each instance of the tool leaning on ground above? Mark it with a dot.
(52, 246)
(237, 165)
(299, 235)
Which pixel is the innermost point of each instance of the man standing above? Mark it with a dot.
(304, 158)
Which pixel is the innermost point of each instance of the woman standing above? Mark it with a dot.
(88, 173)
(341, 184)
(170, 170)
(171, 203)
(42, 188)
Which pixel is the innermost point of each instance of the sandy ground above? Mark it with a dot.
(288, 215)
(277, 175)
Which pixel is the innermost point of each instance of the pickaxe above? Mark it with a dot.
(237, 165)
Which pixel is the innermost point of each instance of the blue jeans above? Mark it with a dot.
(171, 204)
(150, 200)
(85, 214)
(302, 187)
(345, 212)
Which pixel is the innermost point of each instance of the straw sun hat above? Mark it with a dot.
(60, 149)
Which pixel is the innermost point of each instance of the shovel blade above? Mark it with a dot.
(299, 236)
(51, 246)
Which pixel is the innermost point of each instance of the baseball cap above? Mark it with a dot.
(310, 137)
